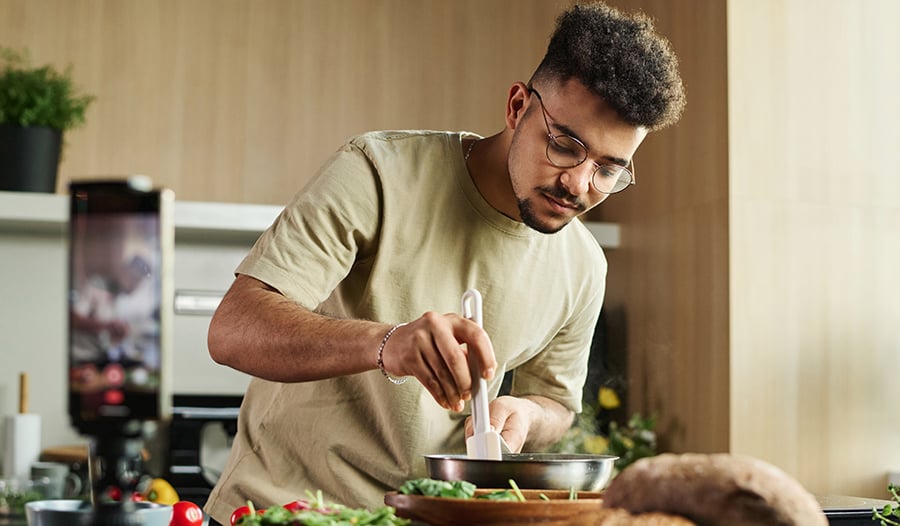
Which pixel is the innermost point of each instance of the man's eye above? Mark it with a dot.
(608, 171)
(567, 147)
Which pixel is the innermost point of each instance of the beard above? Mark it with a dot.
(531, 219)
(534, 221)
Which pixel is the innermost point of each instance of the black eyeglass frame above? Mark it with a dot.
(552, 140)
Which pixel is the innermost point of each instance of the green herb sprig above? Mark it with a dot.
(516, 490)
(889, 514)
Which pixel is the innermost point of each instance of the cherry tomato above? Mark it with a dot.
(114, 493)
(238, 513)
(297, 505)
(186, 513)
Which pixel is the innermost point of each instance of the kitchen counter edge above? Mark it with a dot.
(41, 213)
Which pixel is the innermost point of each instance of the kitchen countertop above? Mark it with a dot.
(849, 511)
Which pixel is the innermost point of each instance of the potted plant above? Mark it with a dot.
(630, 441)
(37, 105)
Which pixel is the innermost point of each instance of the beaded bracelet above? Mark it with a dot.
(380, 360)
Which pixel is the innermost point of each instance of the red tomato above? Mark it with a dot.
(297, 505)
(186, 513)
(240, 512)
(114, 493)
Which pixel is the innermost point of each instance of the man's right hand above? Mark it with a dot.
(436, 349)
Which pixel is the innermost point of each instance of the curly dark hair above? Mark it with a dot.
(619, 57)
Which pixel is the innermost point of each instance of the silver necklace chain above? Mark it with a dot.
(469, 149)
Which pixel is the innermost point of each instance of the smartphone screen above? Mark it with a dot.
(121, 241)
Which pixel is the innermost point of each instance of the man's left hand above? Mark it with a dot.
(532, 422)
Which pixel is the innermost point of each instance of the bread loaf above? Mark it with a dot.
(715, 489)
(620, 517)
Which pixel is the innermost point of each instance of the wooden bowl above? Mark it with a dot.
(559, 510)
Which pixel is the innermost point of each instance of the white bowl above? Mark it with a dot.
(80, 513)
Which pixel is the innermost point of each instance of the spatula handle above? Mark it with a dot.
(481, 420)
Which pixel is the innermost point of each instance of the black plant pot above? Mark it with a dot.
(29, 158)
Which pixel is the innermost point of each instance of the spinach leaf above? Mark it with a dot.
(458, 489)
(503, 494)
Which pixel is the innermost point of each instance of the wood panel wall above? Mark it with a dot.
(669, 279)
(815, 239)
(240, 101)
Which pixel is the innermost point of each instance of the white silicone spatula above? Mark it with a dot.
(485, 443)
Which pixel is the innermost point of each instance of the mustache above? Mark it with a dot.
(561, 194)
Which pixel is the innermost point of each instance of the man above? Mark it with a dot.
(356, 287)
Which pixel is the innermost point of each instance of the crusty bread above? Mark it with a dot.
(620, 517)
(716, 489)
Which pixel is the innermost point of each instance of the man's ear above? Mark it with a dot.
(516, 104)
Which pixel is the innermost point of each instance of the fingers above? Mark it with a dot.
(475, 343)
(450, 366)
(509, 420)
(480, 349)
(508, 415)
(437, 350)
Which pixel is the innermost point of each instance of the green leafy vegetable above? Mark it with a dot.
(466, 490)
(516, 490)
(322, 515)
(458, 489)
(13, 502)
(501, 494)
(889, 514)
(277, 515)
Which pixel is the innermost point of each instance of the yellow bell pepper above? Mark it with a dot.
(161, 492)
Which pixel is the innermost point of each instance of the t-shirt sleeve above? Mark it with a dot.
(326, 229)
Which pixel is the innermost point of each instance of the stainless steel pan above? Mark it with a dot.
(528, 470)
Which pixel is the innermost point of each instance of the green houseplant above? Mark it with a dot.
(593, 432)
(37, 105)
(889, 515)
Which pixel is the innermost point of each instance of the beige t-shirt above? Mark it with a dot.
(391, 227)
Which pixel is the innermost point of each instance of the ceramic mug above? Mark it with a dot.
(61, 482)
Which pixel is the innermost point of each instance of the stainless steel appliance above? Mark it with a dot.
(200, 435)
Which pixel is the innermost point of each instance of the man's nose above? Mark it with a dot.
(577, 180)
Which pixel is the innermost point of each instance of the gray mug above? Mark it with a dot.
(61, 482)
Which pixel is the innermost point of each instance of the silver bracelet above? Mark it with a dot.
(380, 360)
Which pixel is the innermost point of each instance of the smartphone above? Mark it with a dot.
(121, 246)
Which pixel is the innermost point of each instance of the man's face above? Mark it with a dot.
(549, 197)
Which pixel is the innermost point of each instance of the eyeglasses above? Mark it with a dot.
(565, 151)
